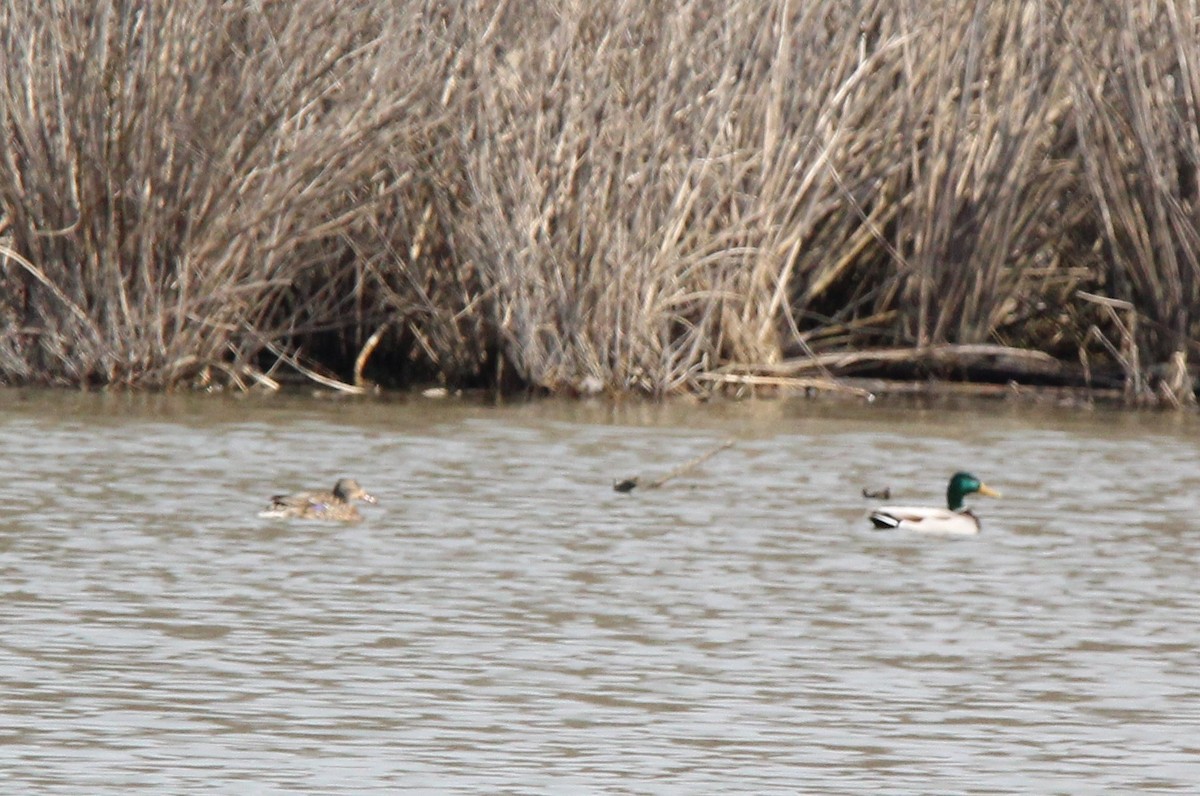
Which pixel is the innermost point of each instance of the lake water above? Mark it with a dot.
(504, 622)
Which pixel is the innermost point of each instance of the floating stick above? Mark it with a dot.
(629, 484)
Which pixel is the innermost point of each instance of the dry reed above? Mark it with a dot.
(653, 197)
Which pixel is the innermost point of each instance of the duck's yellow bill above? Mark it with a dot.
(984, 489)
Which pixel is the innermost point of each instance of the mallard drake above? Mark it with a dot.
(955, 519)
(334, 506)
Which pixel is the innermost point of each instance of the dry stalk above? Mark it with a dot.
(629, 484)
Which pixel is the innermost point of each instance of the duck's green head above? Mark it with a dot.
(963, 484)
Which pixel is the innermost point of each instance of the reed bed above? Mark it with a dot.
(656, 197)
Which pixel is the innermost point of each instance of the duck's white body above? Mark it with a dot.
(926, 519)
(954, 519)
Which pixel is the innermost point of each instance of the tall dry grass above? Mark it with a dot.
(643, 196)
(1139, 147)
(182, 181)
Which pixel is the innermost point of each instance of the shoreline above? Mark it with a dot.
(848, 390)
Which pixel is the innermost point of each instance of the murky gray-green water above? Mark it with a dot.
(505, 622)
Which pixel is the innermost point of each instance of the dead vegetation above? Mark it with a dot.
(651, 197)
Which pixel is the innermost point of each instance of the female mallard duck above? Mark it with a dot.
(956, 519)
(334, 506)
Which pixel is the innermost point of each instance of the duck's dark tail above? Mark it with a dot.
(884, 521)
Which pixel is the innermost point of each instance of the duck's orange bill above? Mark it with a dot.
(984, 489)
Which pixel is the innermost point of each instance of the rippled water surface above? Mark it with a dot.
(505, 622)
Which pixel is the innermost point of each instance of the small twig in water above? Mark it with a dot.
(628, 484)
